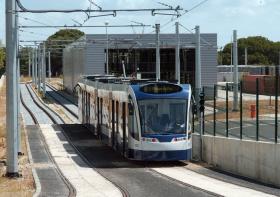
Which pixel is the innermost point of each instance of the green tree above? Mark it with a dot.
(2, 60)
(261, 51)
(24, 59)
(57, 42)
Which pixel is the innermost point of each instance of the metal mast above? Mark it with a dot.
(11, 89)
(157, 52)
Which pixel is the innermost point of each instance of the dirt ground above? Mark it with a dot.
(57, 83)
(24, 186)
(266, 107)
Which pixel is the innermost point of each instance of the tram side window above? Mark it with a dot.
(132, 124)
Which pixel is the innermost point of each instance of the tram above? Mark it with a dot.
(142, 119)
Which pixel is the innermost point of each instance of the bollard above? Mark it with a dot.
(253, 111)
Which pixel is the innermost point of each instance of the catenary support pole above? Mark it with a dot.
(157, 52)
(44, 69)
(276, 102)
(11, 87)
(29, 64)
(18, 92)
(33, 61)
(107, 49)
(39, 69)
(235, 73)
(123, 67)
(177, 54)
(36, 67)
(197, 64)
(49, 65)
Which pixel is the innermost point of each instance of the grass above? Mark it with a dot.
(23, 186)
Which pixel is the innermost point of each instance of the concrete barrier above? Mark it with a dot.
(256, 160)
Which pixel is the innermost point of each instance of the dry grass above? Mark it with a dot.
(57, 83)
(25, 79)
(13, 187)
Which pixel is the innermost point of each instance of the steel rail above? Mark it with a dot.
(56, 91)
(59, 102)
(72, 190)
(122, 190)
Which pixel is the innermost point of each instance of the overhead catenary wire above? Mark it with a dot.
(183, 14)
(85, 26)
(24, 9)
(202, 39)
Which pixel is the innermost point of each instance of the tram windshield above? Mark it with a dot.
(163, 116)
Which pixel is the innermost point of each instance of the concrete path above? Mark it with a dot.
(210, 184)
(86, 181)
(47, 177)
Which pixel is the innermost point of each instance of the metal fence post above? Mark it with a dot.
(276, 102)
(193, 121)
(215, 103)
(257, 109)
(226, 109)
(241, 110)
(203, 113)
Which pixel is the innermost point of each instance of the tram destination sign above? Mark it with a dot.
(160, 88)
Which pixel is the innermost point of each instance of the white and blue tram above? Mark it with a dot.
(143, 120)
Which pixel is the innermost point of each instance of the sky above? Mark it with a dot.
(248, 17)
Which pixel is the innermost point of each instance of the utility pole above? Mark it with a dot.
(177, 52)
(44, 69)
(157, 52)
(29, 64)
(49, 65)
(39, 69)
(33, 70)
(107, 49)
(18, 89)
(246, 56)
(11, 89)
(197, 64)
(124, 72)
(221, 52)
(235, 74)
(231, 70)
(36, 67)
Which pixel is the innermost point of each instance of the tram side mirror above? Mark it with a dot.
(130, 109)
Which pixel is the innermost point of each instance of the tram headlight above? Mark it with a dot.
(153, 140)
(179, 139)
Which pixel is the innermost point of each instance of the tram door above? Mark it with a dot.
(124, 143)
(98, 117)
(83, 106)
(117, 126)
(101, 116)
(113, 124)
(88, 108)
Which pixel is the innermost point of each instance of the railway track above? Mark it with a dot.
(147, 169)
(129, 175)
(71, 189)
(62, 95)
(47, 110)
(66, 103)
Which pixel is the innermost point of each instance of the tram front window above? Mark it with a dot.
(163, 116)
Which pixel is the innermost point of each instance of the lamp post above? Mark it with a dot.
(107, 49)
